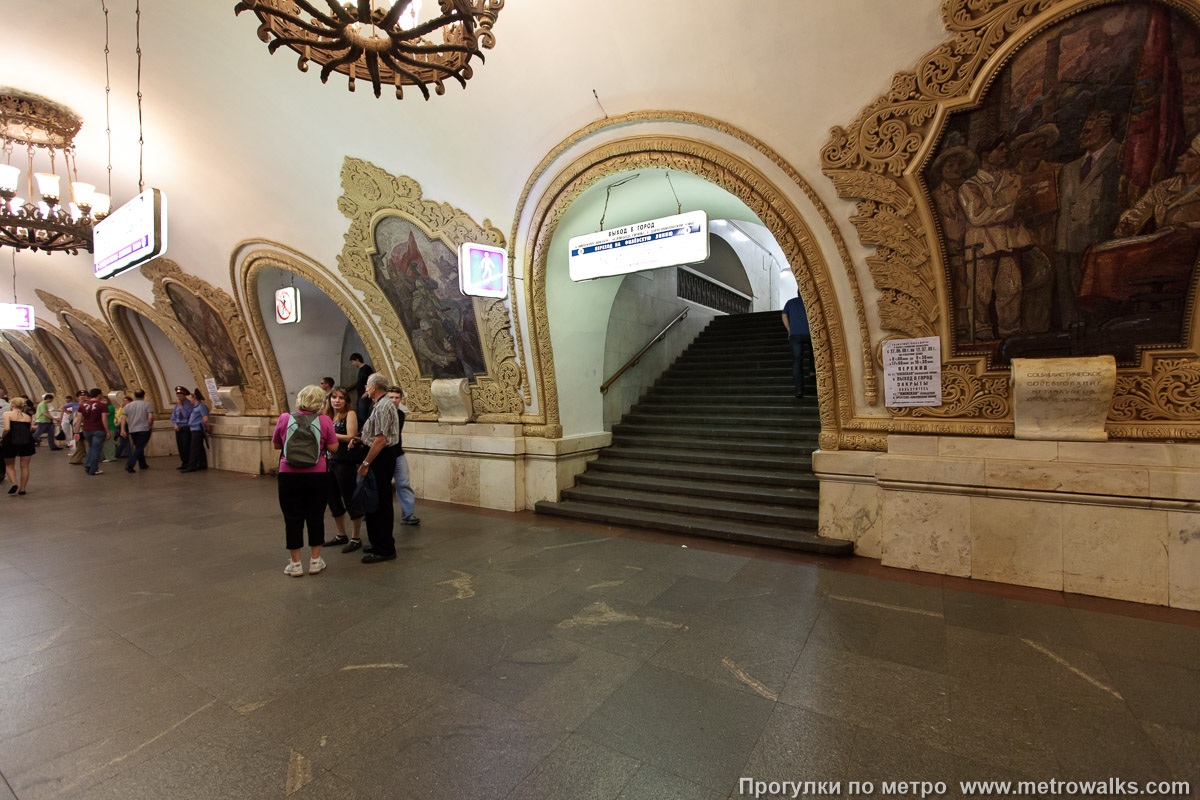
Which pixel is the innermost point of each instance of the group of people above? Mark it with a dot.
(1017, 225)
(89, 422)
(333, 452)
(189, 418)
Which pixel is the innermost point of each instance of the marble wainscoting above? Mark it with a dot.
(242, 444)
(162, 442)
(493, 466)
(1110, 519)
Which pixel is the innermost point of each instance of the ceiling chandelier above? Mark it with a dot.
(47, 131)
(386, 44)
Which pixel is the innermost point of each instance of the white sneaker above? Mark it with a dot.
(294, 568)
(315, 565)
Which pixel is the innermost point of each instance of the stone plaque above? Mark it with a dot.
(453, 398)
(1066, 399)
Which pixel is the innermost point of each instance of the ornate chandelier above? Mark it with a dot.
(387, 44)
(47, 131)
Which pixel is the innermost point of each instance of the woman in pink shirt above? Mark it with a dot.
(304, 438)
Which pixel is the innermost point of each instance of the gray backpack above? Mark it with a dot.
(302, 445)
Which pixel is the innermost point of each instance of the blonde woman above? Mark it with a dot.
(16, 432)
(304, 438)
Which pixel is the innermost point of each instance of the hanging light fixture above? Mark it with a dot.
(46, 131)
(379, 40)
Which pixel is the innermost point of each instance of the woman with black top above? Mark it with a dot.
(342, 466)
(16, 432)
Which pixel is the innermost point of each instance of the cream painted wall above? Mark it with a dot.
(175, 371)
(579, 312)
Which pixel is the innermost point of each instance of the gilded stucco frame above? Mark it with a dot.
(133, 374)
(370, 195)
(878, 159)
(760, 195)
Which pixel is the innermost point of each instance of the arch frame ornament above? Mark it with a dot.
(13, 382)
(68, 342)
(370, 195)
(111, 300)
(125, 365)
(258, 392)
(252, 256)
(877, 160)
(760, 195)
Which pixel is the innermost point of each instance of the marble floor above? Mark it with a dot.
(151, 647)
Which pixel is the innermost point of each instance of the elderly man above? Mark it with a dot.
(989, 200)
(1087, 208)
(1173, 203)
(381, 433)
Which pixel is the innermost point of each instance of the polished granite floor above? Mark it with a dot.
(151, 647)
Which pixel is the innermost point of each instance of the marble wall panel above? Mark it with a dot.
(927, 531)
(1116, 552)
(1017, 541)
(1183, 553)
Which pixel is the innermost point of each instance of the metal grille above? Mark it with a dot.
(700, 290)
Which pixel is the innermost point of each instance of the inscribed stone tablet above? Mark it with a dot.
(1065, 399)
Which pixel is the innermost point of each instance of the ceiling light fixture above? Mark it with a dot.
(47, 131)
(388, 44)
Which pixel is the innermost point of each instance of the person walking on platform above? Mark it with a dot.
(72, 425)
(404, 492)
(795, 321)
(45, 422)
(303, 478)
(93, 414)
(139, 424)
(342, 466)
(381, 434)
(181, 415)
(17, 448)
(198, 427)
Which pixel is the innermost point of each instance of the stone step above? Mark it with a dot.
(704, 366)
(672, 395)
(732, 446)
(692, 379)
(784, 516)
(730, 416)
(797, 463)
(688, 470)
(734, 345)
(696, 525)
(717, 431)
(771, 404)
(726, 490)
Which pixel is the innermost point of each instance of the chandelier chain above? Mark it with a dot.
(678, 205)
(141, 140)
(14, 262)
(107, 92)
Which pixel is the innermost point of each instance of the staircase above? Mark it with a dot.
(718, 447)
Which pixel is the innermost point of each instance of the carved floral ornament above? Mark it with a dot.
(370, 196)
(878, 159)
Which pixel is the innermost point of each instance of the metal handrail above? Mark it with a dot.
(638, 356)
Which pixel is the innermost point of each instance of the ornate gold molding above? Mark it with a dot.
(124, 364)
(870, 388)
(67, 341)
(244, 269)
(877, 160)
(110, 300)
(743, 181)
(371, 194)
(11, 381)
(260, 400)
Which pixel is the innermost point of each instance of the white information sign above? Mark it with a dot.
(213, 397)
(132, 235)
(666, 242)
(287, 305)
(482, 270)
(16, 317)
(912, 372)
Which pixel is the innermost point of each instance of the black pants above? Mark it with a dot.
(137, 454)
(302, 501)
(183, 443)
(197, 458)
(380, 524)
(342, 477)
(801, 351)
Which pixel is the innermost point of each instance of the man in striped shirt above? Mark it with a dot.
(381, 433)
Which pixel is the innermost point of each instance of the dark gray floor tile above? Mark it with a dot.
(652, 783)
(999, 729)
(776, 577)
(748, 659)
(572, 693)
(689, 596)
(878, 757)
(801, 745)
(887, 593)
(1165, 643)
(626, 629)
(1090, 741)
(645, 716)
(1179, 748)
(579, 769)
(871, 692)
(1158, 692)
(915, 639)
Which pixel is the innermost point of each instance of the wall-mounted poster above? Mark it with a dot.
(419, 277)
(98, 350)
(1069, 199)
(206, 328)
(27, 355)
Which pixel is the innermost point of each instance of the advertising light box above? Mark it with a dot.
(132, 235)
(16, 317)
(482, 270)
(287, 306)
(666, 242)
